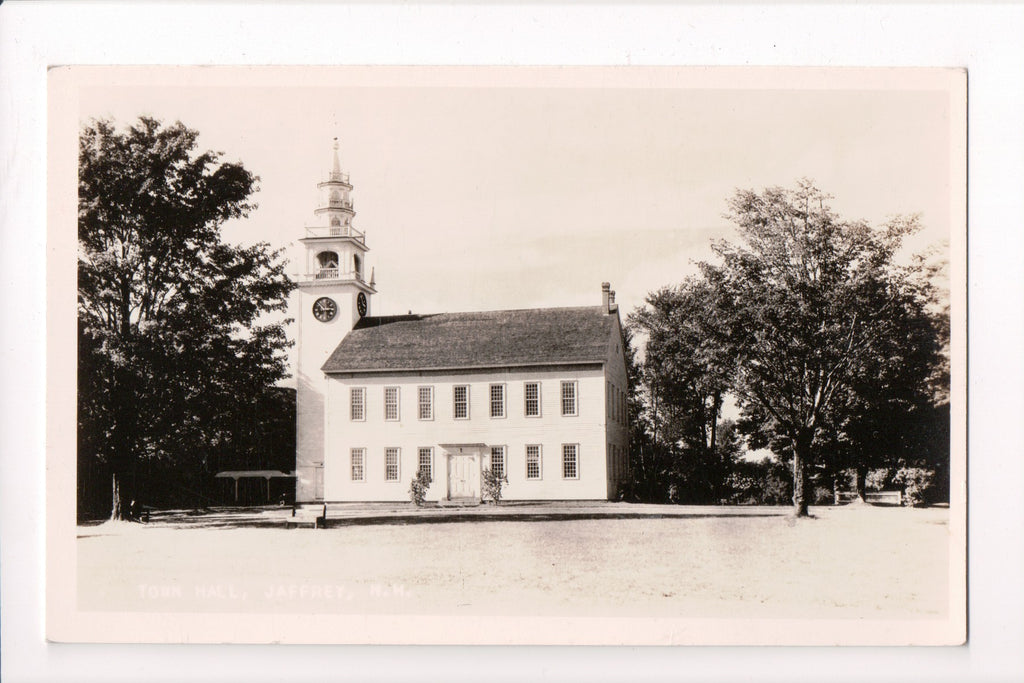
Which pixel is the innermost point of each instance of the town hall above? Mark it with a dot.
(536, 395)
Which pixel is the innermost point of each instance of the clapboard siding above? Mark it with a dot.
(589, 429)
(617, 384)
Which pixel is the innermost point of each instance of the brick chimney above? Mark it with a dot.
(606, 293)
(612, 306)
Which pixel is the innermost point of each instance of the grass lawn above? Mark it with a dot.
(847, 562)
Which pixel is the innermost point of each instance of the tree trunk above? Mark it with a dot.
(716, 404)
(862, 482)
(836, 500)
(801, 456)
(116, 509)
(123, 443)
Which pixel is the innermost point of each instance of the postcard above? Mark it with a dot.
(506, 355)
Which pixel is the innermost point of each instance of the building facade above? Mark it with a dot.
(537, 395)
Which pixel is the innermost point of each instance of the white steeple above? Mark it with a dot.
(333, 294)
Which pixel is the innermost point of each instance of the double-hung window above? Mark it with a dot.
(391, 472)
(358, 464)
(357, 403)
(533, 462)
(570, 461)
(569, 406)
(498, 461)
(460, 402)
(531, 395)
(497, 400)
(391, 403)
(426, 462)
(426, 403)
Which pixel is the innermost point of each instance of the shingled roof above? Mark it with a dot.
(447, 341)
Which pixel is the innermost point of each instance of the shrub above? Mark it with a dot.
(764, 482)
(917, 483)
(822, 496)
(492, 484)
(878, 480)
(418, 488)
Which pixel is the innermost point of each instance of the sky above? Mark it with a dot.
(496, 189)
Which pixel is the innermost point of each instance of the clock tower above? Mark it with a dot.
(333, 293)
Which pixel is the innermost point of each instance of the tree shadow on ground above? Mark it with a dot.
(280, 518)
(459, 518)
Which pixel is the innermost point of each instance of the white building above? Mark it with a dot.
(537, 394)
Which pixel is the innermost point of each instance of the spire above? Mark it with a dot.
(336, 169)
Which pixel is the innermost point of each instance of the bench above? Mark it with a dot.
(894, 497)
(887, 497)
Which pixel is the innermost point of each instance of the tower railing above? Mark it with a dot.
(335, 231)
(335, 274)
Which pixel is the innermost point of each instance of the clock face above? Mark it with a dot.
(361, 304)
(324, 309)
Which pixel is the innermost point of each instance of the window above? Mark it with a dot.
(391, 403)
(357, 403)
(426, 462)
(498, 461)
(533, 462)
(391, 464)
(426, 403)
(570, 465)
(327, 265)
(497, 400)
(568, 398)
(461, 400)
(532, 396)
(327, 259)
(358, 464)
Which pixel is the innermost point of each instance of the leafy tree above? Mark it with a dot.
(647, 460)
(896, 413)
(816, 312)
(174, 359)
(687, 374)
(689, 370)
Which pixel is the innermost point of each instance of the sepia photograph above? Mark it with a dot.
(507, 355)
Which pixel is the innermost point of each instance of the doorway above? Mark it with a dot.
(464, 476)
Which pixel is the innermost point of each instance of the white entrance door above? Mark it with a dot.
(463, 477)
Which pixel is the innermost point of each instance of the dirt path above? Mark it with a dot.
(848, 562)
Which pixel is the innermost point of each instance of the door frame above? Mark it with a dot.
(475, 453)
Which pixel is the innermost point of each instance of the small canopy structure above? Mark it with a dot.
(253, 474)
